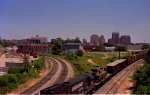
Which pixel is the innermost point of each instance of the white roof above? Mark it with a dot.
(116, 62)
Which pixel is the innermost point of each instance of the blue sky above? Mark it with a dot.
(75, 18)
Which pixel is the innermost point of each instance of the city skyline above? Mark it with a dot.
(79, 18)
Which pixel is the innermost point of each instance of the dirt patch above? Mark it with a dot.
(91, 61)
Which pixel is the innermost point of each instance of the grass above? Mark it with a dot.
(125, 54)
(81, 65)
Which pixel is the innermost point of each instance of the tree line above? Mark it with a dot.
(142, 77)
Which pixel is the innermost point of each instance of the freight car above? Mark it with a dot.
(87, 83)
(116, 66)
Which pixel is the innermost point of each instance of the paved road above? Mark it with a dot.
(118, 83)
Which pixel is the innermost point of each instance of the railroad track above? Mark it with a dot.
(44, 80)
(64, 72)
(114, 88)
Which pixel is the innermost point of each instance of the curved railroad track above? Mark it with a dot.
(64, 72)
(114, 88)
(44, 80)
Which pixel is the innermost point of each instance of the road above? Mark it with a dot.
(121, 82)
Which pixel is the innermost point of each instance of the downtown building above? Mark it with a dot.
(125, 40)
(116, 39)
(102, 39)
(95, 40)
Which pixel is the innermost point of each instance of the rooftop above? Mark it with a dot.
(116, 62)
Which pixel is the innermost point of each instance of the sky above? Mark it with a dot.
(21, 19)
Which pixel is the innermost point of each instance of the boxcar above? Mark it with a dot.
(116, 66)
(79, 85)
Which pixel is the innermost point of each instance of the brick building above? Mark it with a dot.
(38, 48)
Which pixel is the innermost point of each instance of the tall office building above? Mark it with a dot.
(115, 38)
(95, 40)
(125, 39)
(102, 39)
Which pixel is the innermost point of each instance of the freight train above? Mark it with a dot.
(87, 83)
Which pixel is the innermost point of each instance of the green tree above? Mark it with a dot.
(142, 77)
(56, 48)
(26, 63)
(5, 44)
(14, 70)
(79, 53)
(147, 58)
(121, 48)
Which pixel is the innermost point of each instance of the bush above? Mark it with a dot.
(71, 56)
(33, 72)
(14, 70)
(21, 78)
(142, 78)
(12, 78)
(148, 57)
(79, 53)
(4, 81)
(38, 64)
(17, 75)
(11, 87)
(121, 48)
(111, 59)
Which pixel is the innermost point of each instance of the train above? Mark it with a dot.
(89, 82)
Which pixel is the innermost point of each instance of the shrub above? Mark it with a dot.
(79, 53)
(4, 81)
(21, 78)
(12, 78)
(71, 56)
(33, 72)
(111, 59)
(14, 70)
(38, 64)
(142, 78)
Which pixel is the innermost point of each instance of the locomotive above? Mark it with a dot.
(87, 83)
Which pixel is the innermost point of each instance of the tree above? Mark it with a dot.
(57, 48)
(148, 57)
(79, 53)
(121, 48)
(26, 63)
(142, 77)
(5, 44)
